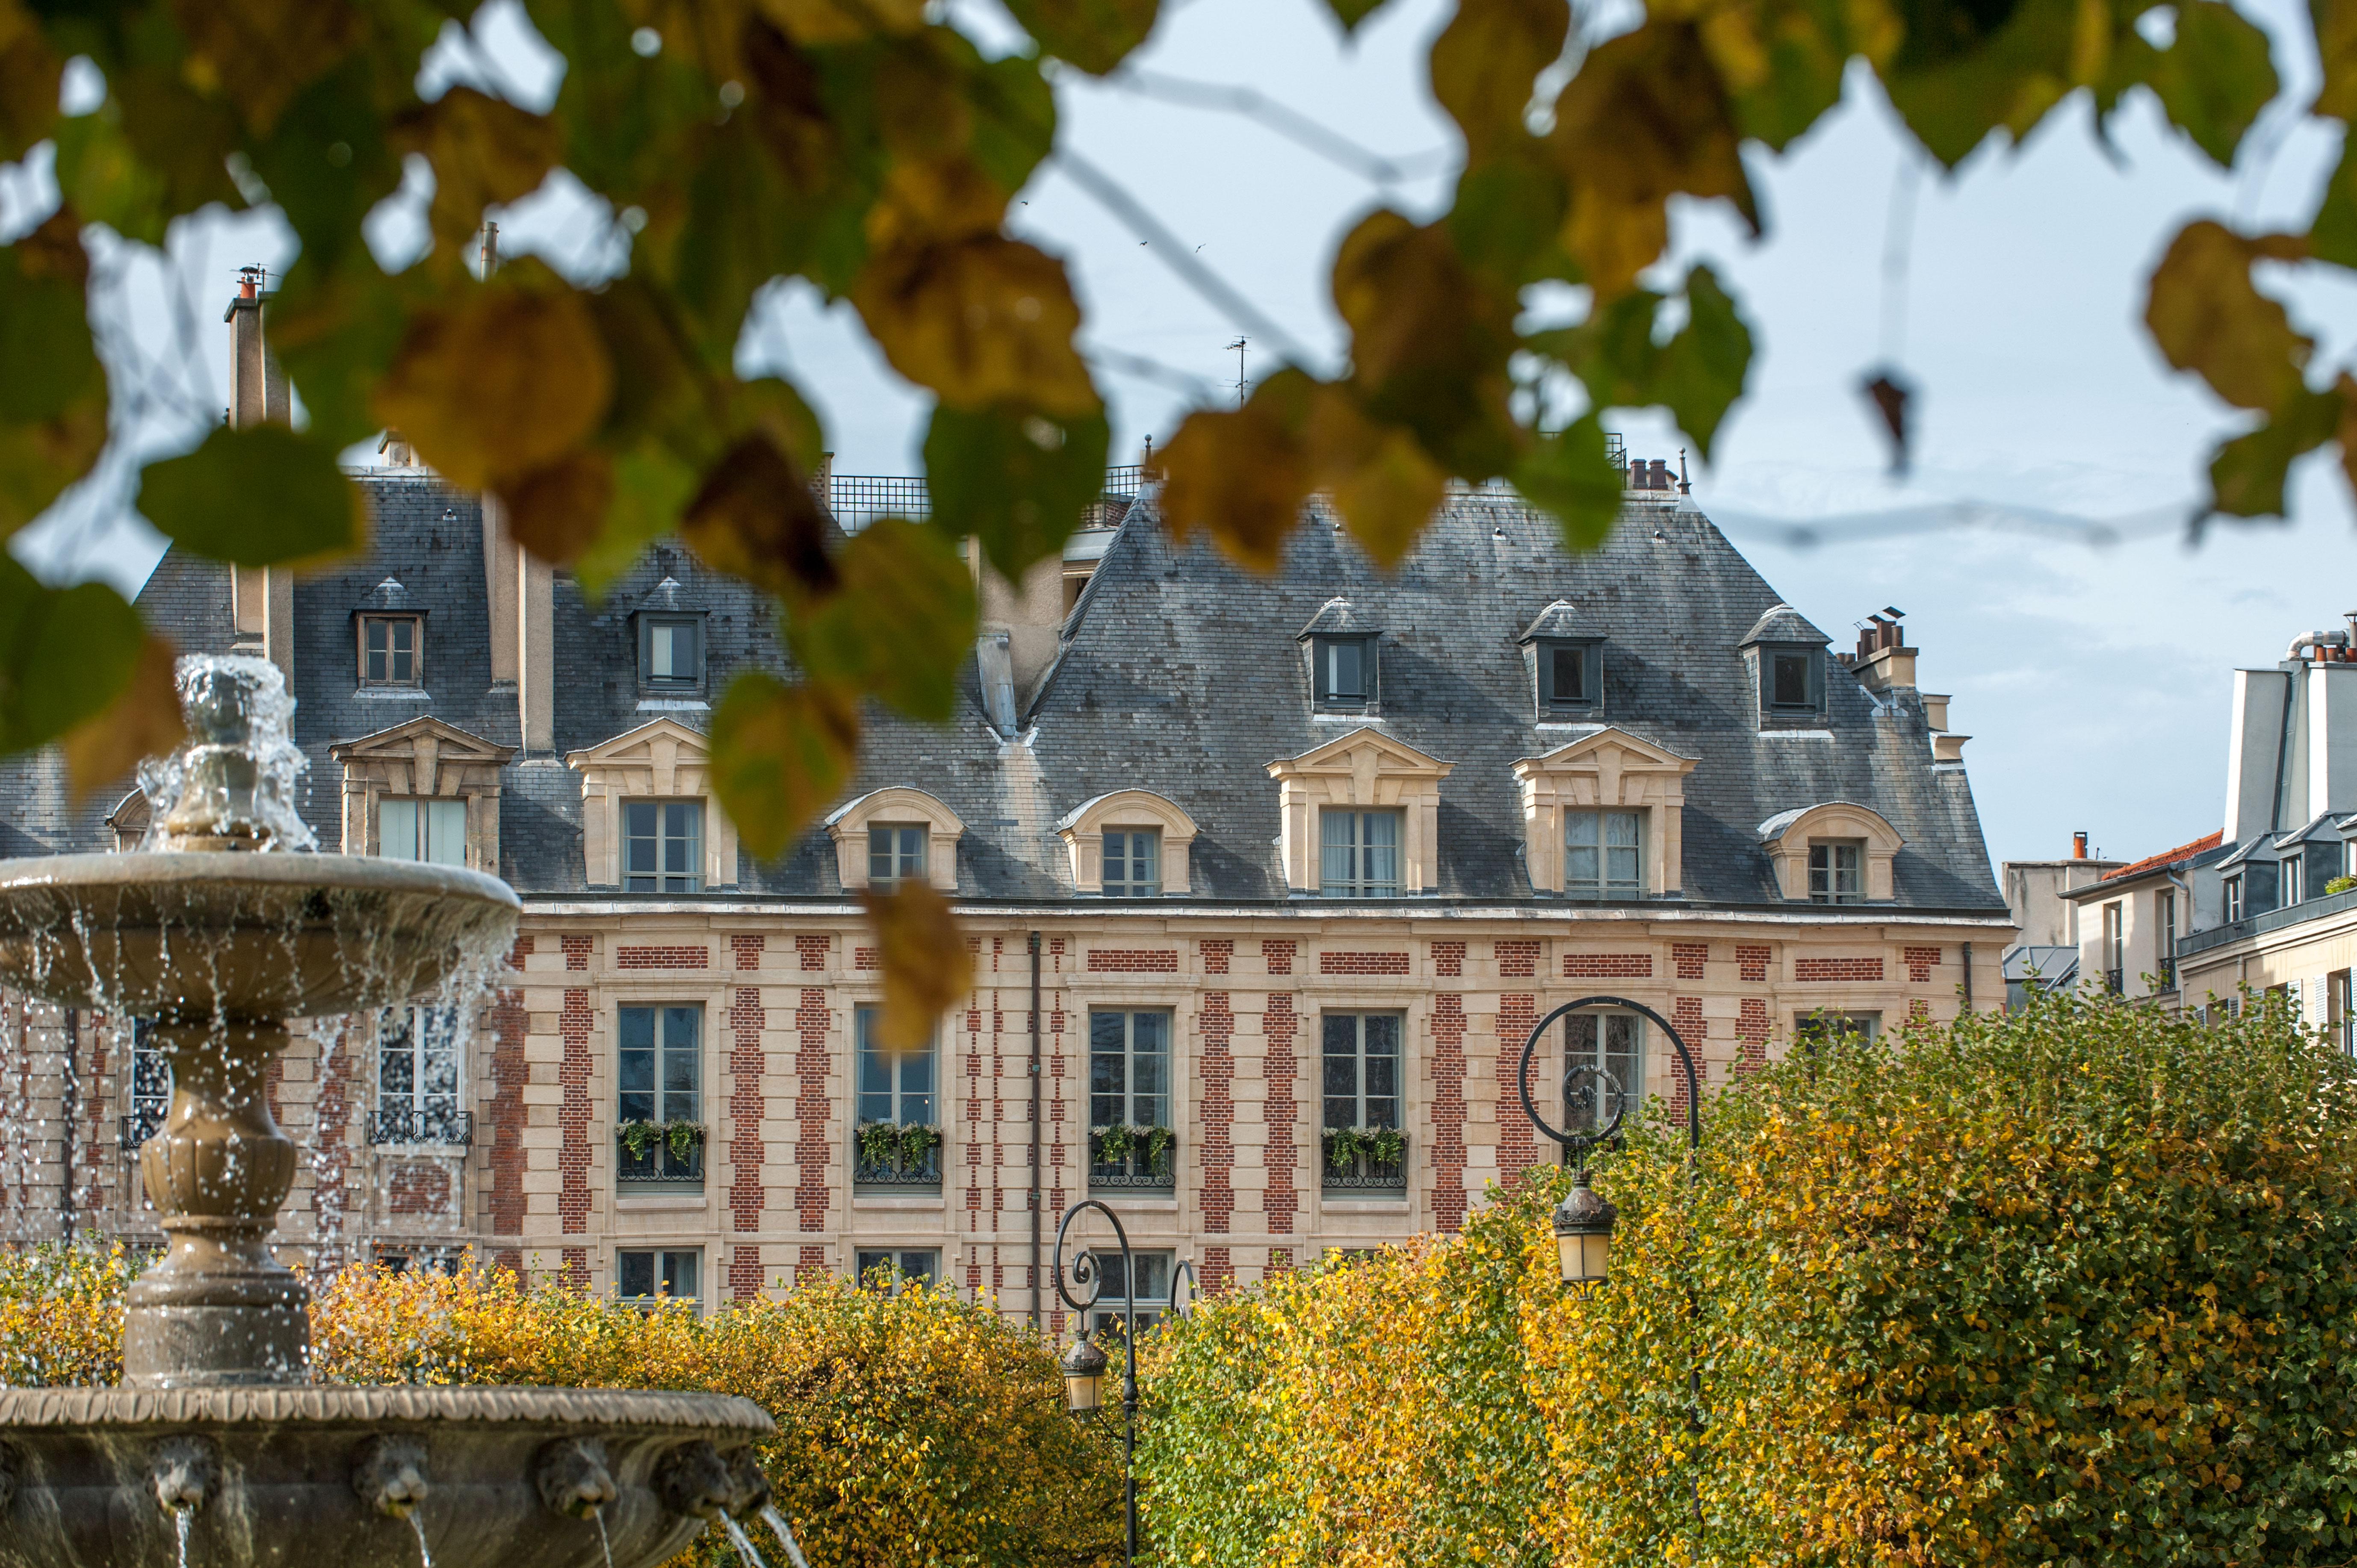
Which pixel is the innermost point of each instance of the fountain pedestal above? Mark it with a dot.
(219, 1308)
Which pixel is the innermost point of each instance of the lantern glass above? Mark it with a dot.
(1084, 1388)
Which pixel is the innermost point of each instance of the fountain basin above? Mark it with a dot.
(188, 936)
(273, 1471)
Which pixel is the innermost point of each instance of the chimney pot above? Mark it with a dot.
(2078, 846)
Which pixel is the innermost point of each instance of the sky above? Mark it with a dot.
(2040, 544)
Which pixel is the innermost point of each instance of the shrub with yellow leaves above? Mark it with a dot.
(912, 1427)
(2077, 1284)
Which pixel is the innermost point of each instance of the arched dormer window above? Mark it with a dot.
(893, 835)
(1603, 818)
(1131, 843)
(1359, 817)
(1834, 853)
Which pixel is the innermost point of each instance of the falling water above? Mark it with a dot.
(269, 740)
(744, 1543)
(602, 1538)
(424, 1556)
(784, 1532)
(181, 1519)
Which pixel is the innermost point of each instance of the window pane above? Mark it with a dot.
(639, 847)
(920, 1267)
(1568, 685)
(1380, 1072)
(660, 665)
(444, 822)
(634, 1273)
(880, 865)
(396, 829)
(1792, 680)
(396, 1076)
(1338, 854)
(679, 1275)
(1108, 1070)
(1149, 1069)
(372, 666)
(405, 665)
(1381, 851)
(1342, 1069)
(875, 1070)
(634, 1064)
(916, 1088)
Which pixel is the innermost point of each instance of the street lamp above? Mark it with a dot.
(1583, 1226)
(1084, 1364)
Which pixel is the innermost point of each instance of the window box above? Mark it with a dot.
(1364, 1159)
(409, 1124)
(657, 1164)
(1132, 1158)
(893, 1156)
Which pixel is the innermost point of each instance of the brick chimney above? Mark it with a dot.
(1883, 659)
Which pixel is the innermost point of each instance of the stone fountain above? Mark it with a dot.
(218, 1449)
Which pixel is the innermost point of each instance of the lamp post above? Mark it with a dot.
(1085, 1364)
(1583, 1226)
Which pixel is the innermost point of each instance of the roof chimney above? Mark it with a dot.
(2079, 846)
(1883, 659)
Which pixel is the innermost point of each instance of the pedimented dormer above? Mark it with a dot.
(649, 820)
(1360, 817)
(424, 790)
(1602, 817)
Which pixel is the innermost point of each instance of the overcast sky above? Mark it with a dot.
(2038, 547)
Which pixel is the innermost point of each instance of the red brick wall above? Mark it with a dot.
(1607, 965)
(417, 1187)
(809, 952)
(746, 1063)
(1362, 964)
(748, 948)
(1751, 1029)
(1218, 1269)
(1218, 1071)
(1690, 957)
(1751, 963)
(1281, 1026)
(810, 1264)
(508, 1025)
(744, 1272)
(1920, 961)
(573, 1114)
(1834, 970)
(811, 1153)
(1685, 1013)
(1448, 1159)
(1518, 958)
(664, 957)
(1216, 954)
(1517, 1139)
(576, 1268)
(1132, 961)
(577, 951)
(1277, 956)
(1449, 958)
(863, 957)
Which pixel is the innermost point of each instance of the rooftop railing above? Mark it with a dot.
(858, 499)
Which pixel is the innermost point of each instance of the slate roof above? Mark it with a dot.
(1177, 672)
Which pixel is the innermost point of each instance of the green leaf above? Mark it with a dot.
(1019, 483)
(2332, 237)
(65, 654)
(1095, 35)
(1701, 370)
(1350, 13)
(901, 623)
(2206, 316)
(2246, 474)
(2215, 77)
(779, 754)
(1969, 67)
(212, 500)
(1567, 476)
(53, 391)
(326, 163)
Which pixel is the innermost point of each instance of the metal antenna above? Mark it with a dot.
(1242, 385)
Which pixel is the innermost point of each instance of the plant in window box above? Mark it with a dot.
(640, 1136)
(1341, 1149)
(1114, 1143)
(682, 1137)
(2341, 885)
(917, 1142)
(1386, 1146)
(1157, 1141)
(880, 1145)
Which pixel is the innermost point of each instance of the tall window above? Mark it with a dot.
(895, 855)
(1612, 1043)
(889, 1269)
(659, 1065)
(1792, 679)
(1837, 872)
(1345, 671)
(2233, 886)
(896, 1088)
(2167, 912)
(392, 651)
(418, 1062)
(1358, 854)
(2288, 880)
(662, 846)
(1602, 854)
(644, 1278)
(1129, 1070)
(671, 654)
(2115, 955)
(433, 829)
(151, 1086)
(2341, 1010)
(1132, 863)
(1148, 1293)
(1361, 1079)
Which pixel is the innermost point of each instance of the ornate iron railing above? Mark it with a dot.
(896, 1170)
(858, 499)
(144, 1122)
(1365, 1173)
(658, 1163)
(409, 1124)
(1137, 1167)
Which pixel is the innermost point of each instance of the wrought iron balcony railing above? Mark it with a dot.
(1151, 1165)
(143, 1123)
(1363, 1171)
(414, 1125)
(873, 1165)
(658, 1163)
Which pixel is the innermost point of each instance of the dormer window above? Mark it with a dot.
(1345, 668)
(1786, 657)
(1566, 661)
(1603, 854)
(392, 650)
(896, 854)
(671, 655)
(1345, 672)
(1794, 676)
(1836, 871)
(1132, 863)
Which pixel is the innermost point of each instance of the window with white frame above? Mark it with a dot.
(433, 830)
(2232, 886)
(2341, 1010)
(2289, 880)
(1358, 854)
(659, 1075)
(649, 1278)
(1836, 871)
(662, 846)
(895, 854)
(887, 1269)
(1603, 854)
(151, 1086)
(1612, 1043)
(1130, 1142)
(2166, 912)
(418, 1052)
(895, 1087)
(1812, 1028)
(1147, 1296)
(1132, 863)
(671, 655)
(2116, 978)
(1360, 1081)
